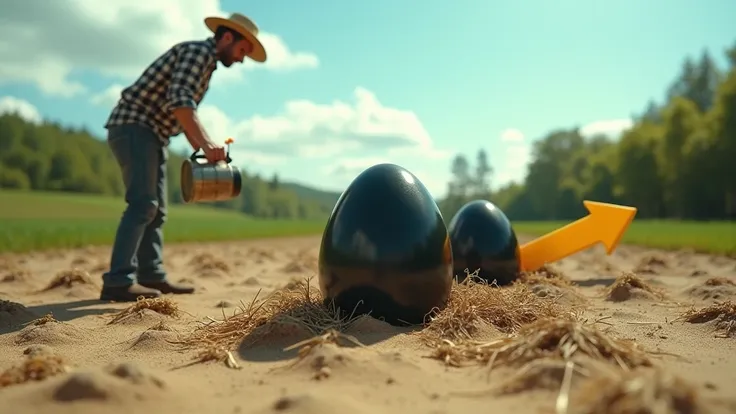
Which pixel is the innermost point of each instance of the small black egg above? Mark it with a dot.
(385, 249)
(483, 239)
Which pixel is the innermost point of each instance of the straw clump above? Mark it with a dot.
(638, 391)
(475, 304)
(301, 306)
(36, 366)
(722, 313)
(561, 339)
(545, 275)
(163, 306)
(48, 318)
(68, 279)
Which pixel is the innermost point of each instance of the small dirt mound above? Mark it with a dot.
(295, 267)
(312, 403)
(295, 283)
(154, 339)
(546, 338)
(223, 304)
(261, 255)
(628, 286)
(564, 296)
(545, 275)
(208, 265)
(121, 382)
(49, 331)
(719, 281)
(80, 261)
(13, 314)
(544, 374)
(145, 308)
(715, 289)
(36, 366)
(321, 354)
(68, 279)
(251, 281)
(638, 391)
(650, 265)
(722, 315)
(15, 275)
(301, 262)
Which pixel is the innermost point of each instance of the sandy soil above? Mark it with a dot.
(81, 361)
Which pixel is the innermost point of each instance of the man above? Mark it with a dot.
(160, 104)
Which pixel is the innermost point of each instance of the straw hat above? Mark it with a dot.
(245, 27)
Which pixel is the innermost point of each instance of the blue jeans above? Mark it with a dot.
(138, 247)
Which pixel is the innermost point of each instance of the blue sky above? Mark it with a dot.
(408, 82)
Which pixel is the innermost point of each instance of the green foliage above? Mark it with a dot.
(48, 157)
(676, 162)
(39, 220)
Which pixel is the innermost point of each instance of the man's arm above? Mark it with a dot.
(185, 78)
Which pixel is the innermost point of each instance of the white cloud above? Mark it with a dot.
(516, 158)
(41, 41)
(25, 109)
(308, 129)
(612, 128)
(109, 97)
(332, 141)
(511, 135)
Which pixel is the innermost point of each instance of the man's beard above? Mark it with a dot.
(226, 56)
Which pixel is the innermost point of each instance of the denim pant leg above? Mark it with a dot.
(150, 252)
(138, 152)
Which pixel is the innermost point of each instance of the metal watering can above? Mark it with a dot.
(204, 181)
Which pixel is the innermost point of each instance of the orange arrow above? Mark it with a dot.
(606, 224)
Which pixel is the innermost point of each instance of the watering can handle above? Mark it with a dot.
(228, 160)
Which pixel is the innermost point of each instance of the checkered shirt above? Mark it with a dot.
(178, 78)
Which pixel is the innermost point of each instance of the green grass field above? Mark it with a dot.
(708, 237)
(36, 220)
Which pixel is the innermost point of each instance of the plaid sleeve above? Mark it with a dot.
(189, 67)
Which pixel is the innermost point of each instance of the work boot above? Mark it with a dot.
(168, 287)
(129, 293)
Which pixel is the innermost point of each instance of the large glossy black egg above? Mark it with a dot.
(385, 250)
(483, 239)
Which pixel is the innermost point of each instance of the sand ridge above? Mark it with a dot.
(640, 327)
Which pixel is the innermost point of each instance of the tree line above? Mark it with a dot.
(51, 157)
(677, 161)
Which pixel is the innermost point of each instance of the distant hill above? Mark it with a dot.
(321, 196)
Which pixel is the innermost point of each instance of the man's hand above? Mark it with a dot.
(197, 136)
(214, 152)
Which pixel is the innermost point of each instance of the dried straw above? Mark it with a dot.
(69, 278)
(545, 338)
(723, 313)
(474, 304)
(36, 366)
(299, 305)
(163, 306)
(545, 275)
